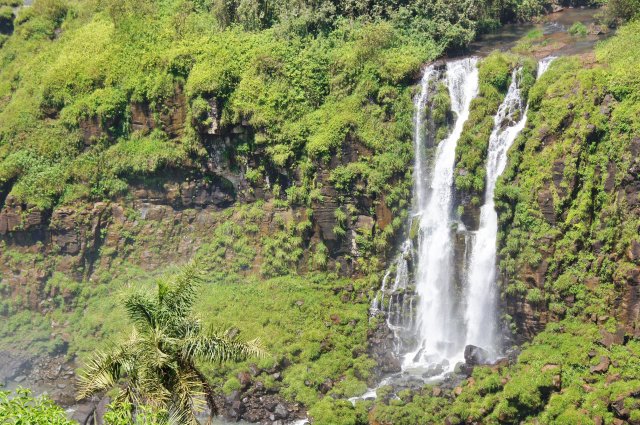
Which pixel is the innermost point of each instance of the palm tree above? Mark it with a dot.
(157, 365)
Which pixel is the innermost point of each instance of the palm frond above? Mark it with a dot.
(180, 294)
(188, 395)
(105, 368)
(101, 372)
(219, 347)
(142, 310)
(152, 392)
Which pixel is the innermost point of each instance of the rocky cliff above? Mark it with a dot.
(570, 232)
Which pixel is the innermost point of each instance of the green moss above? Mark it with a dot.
(231, 385)
(578, 29)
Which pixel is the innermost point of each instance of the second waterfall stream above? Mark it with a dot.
(439, 298)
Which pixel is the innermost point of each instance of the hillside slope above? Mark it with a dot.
(276, 145)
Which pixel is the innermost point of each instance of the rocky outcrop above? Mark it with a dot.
(16, 217)
(258, 403)
(53, 374)
(171, 116)
(339, 236)
(382, 342)
(583, 186)
(474, 356)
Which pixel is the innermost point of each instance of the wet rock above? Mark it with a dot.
(281, 411)
(474, 356)
(463, 369)
(381, 349)
(433, 370)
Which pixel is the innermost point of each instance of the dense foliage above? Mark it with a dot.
(158, 360)
(495, 74)
(560, 197)
(312, 80)
(306, 80)
(20, 408)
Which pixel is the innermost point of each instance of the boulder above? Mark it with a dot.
(474, 356)
(608, 339)
(601, 367)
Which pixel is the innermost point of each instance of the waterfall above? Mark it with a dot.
(543, 65)
(437, 329)
(481, 313)
(432, 312)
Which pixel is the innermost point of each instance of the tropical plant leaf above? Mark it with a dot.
(142, 310)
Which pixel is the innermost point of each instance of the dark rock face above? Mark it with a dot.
(381, 349)
(171, 118)
(53, 375)
(254, 402)
(343, 247)
(553, 200)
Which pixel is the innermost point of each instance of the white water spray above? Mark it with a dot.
(448, 317)
(481, 313)
(438, 332)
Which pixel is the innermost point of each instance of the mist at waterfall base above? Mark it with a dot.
(434, 308)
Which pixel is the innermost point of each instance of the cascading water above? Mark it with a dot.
(481, 292)
(433, 313)
(437, 324)
(481, 313)
(543, 65)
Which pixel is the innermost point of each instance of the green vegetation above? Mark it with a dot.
(306, 77)
(495, 73)
(577, 152)
(558, 198)
(618, 12)
(578, 29)
(318, 323)
(96, 97)
(553, 382)
(158, 360)
(20, 408)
